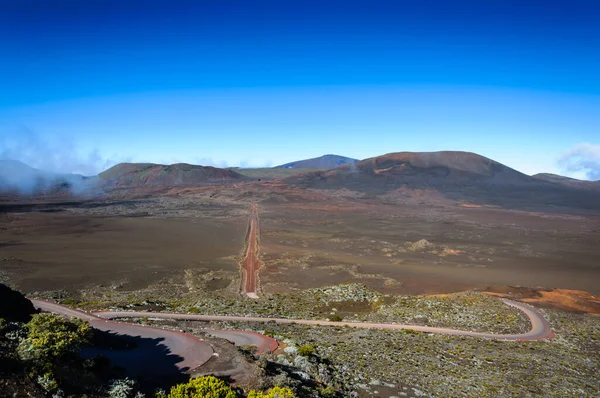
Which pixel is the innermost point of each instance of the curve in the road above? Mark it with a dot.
(192, 352)
(540, 329)
(238, 337)
(187, 351)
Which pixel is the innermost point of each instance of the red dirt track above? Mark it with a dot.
(192, 351)
(540, 329)
(251, 262)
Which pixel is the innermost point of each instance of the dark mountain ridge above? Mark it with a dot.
(150, 174)
(567, 181)
(321, 162)
(457, 175)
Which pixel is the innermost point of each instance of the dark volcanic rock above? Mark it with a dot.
(14, 306)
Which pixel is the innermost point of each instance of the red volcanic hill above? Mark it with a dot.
(149, 174)
(456, 175)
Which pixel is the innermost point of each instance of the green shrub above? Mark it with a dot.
(202, 387)
(306, 350)
(327, 392)
(335, 318)
(47, 382)
(50, 337)
(275, 392)
(269, 333)
(122, 388)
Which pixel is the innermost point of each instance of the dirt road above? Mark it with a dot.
(540, 329)
(172, 339)
(251, 262)
(186, 352)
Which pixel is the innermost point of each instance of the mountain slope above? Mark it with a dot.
(456, 175)
(567, 181)
(148, 174)
(420, 169)
(322, 162)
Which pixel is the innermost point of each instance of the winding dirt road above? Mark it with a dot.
(238, 337)
(540, 329)
(251, 262)
(189, 352)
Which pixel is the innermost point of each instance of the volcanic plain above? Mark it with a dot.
(404, 242)
(429, 240)
(120, 245)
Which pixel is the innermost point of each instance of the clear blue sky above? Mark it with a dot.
(84, 84)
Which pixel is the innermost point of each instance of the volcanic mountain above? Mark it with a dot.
(149, 174)
(322, 162)
(567, 181)
(456, 175)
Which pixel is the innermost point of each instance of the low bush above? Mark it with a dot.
(275, 392)
(335, 318)
(306, 350)
(202, 387)
(51, 337)
(327, 392)
(122, 388)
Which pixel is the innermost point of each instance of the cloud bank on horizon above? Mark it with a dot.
(56, 154)
(583, 158)
(61, 154)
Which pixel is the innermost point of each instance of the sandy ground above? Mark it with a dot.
(310, 239)
(52, 251)
(424, 249)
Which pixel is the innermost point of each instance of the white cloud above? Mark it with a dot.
(582, 159)
(55, 153)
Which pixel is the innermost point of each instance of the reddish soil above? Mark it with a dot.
(147, 174)
(564, 299)
(251, 262)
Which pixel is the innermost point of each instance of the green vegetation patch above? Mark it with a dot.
(445, 366)
(468, 311)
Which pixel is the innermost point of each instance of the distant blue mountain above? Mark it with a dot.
(322, 162)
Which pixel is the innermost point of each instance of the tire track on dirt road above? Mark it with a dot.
(540, 328)
(251, 262)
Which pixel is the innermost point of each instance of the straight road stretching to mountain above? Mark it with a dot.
(251, 262)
